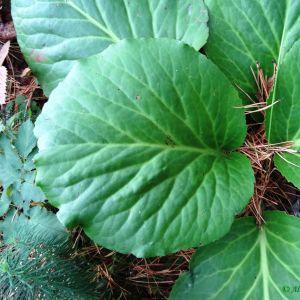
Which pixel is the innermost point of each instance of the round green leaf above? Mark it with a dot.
(249, 263)
(54, 34)
(137, 147)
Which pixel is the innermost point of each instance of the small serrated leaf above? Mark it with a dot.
(4, 203)
(10, 163)
(2, 127)
(31, 192)
(26, 140)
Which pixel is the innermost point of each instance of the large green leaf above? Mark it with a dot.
(249, 263)
(243, 32)
(140, 150)
(53, 34)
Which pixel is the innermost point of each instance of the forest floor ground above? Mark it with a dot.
(128, 277)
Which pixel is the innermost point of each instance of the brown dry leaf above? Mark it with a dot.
(25, 72)
(3, 80)
(4, 52)
(3, 72)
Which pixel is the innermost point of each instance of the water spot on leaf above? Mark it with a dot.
(169, 141)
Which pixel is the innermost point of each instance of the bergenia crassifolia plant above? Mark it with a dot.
(139, 143)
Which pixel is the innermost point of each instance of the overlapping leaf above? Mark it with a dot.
(54, 34)
(249, 263)
(245, 32)
(137, 147)
(283, 119)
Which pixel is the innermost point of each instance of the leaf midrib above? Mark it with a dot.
(235, 270)
(264, 268)
(113, 37)
(182, 148)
